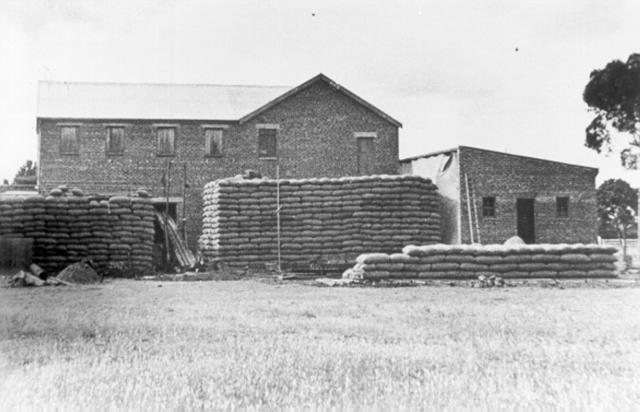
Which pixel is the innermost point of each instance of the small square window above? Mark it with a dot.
(166, 143)
(115, 140)
(267, 143)
(562, 206)
(213, 142)
(488, 206)
(68, 140)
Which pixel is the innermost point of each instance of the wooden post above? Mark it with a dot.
(184, 204)
(278, 216)
(167, 186)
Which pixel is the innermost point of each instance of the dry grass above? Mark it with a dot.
(258, 345)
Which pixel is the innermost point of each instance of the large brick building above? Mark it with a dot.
(112, 138)
(499, 195)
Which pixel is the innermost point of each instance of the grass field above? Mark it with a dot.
(264, 345)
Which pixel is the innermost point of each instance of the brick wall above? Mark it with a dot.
(509, 177)
(315, 139)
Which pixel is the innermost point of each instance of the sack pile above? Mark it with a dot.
(321, 220)
(67, 226)
(471, 261)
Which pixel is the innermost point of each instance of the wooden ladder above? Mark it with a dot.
(472, 212)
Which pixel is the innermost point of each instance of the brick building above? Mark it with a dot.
(113, 138)
(539, 200)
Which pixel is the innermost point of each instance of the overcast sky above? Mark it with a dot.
(505, 75)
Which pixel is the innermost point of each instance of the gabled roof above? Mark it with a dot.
(336, 86)
(78, 100)
(151, 101)
(457, 148)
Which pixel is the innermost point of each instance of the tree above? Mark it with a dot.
(617, 205)
(613, 94)
(26, 174)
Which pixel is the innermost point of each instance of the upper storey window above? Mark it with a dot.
(213, 142)
(166, 141)
(115, 140)
(267, 143)
(69, 140)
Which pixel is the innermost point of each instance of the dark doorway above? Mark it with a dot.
(526, 221)
(366, 156)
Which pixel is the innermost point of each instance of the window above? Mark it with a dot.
(267, 143)
(488, 206)
(68, 140)
(166, 143)
(562, 206)
(115, 140)
(212, 142)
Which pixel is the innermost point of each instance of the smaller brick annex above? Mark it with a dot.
(541, 201)
(113, 138)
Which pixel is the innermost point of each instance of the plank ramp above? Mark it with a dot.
(177, 246)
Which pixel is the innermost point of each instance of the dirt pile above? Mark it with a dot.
(81, 273)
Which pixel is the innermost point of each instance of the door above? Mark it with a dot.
(366, 156)
(526, 222)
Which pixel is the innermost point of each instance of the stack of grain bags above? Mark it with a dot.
(67, 226)
(470, 261)
(320, 219)
(132, 232)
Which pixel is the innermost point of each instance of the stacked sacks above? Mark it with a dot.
(142, 227)
(67, 226)
(57, 230)
(11, 213)
(79, 224)
(132, 232)
(101, 223)
(471, 261)
(321, 219)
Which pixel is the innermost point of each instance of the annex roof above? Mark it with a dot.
(457, 148)
(79, 100)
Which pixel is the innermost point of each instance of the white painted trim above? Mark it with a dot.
(159, 125)
(68, 124)
(214, 126)
(268, 126)
(115, 125)
(368, 135)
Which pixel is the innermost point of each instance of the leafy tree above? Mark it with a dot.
(613, 94)
(26, 173)
(617, 205)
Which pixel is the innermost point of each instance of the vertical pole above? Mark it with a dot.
(466, 179)
(166, 212)
(278, 216)
(638, 230)
(184, 203)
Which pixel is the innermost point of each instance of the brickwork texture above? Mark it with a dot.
(315, 138)
(509, 177)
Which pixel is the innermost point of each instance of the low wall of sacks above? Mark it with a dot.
(116, 233)
(470, 261)
(321, 220)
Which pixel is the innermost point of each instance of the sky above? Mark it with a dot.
(503, 75)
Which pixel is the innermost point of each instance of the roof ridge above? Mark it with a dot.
(161, 84)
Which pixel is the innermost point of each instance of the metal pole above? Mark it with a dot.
(184, 204)
(166, 212)
(638, 230)
(278, 216)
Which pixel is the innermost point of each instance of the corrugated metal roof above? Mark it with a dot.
(151, 101)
